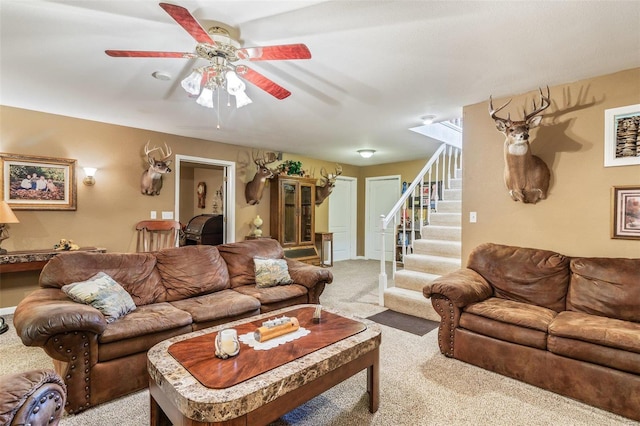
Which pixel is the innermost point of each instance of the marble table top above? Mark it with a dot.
(27, 256)
(203, 404)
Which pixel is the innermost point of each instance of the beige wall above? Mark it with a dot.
(107, 212)
(576, 218)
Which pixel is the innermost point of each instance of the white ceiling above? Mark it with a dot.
(376, 66)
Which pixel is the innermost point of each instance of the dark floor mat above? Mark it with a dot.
(404, 322)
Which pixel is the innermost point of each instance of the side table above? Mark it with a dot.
(322, 239)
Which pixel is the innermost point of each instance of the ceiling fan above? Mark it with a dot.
(222, 52)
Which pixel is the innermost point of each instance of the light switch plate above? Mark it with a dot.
(473, 217)
(154, 214)
(167, 215)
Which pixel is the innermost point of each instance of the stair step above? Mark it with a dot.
(450, 233)
(452, 194)
(412, 280)
(438, 248)
(446, 219)
(410, 303)
(449, 206)
(431, 264)
(455, 183)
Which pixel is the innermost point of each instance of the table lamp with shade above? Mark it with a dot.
(6, 216)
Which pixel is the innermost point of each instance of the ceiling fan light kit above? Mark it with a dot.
(221, 51)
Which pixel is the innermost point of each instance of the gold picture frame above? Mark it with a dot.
(625, 212)
(52, 188)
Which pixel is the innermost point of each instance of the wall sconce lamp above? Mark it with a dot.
(89, 179)
(366, 153)
(6, 216)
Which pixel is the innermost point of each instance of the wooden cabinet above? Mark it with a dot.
(293, 216)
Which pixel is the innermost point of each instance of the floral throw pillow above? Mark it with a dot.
(271, 272)
(103, 293)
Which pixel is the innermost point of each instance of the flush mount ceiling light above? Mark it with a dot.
(366, 153)
(427, 119)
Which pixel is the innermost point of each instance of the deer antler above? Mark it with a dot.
(338, 170)
(544, 104)
(494, 112)
(165, 157)
(264, 159)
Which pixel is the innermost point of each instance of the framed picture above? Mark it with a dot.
(622, 136)
(38, 183)
(625, 212)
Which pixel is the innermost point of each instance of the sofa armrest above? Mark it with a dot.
(47, 312)
(462, 287)
(308, 275)
(35, 397)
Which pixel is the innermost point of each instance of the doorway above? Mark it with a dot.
(189, 171)
(381, 195)
(343, 217)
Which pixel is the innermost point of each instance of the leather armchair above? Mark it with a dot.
(33, 398)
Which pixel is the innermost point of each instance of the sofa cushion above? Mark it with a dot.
(146, 320)
(596, 329)
(273, 294)
(608, 287)
(104, 294)
(508, 320)
(239, 257)
(191, 271)
(538, 277)
(214, 306)
(135, 272)
(599, 340)
(271, 272)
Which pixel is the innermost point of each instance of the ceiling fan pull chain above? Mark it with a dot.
(218, 110)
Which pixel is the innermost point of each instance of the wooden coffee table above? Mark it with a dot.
(258, 387)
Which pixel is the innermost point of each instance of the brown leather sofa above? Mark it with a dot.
(33, 398)
(568, 325)
(175, 291)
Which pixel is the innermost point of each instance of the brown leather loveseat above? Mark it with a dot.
(568, 325)
(175, 291)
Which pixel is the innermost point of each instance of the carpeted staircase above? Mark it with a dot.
(436, 253)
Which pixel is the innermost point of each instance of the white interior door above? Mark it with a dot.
(343, 216)
(381, 195)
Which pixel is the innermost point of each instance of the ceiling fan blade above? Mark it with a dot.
(183, 17)
(148, 54)
(269, 53)
(263, 82)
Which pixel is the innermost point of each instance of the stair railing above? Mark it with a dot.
(405, 220)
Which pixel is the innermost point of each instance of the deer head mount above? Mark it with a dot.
(151, 182)
(328, 182)
(254, 189)
(525, 175)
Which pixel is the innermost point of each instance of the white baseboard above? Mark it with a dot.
(7, 311)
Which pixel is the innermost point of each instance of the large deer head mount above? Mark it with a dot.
(254, 189)
(328, 182)
(151, 182)
(525, 175)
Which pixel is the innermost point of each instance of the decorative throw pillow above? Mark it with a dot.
(104, 294)
(271, 272)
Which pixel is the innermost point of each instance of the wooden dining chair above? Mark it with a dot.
(154, 235)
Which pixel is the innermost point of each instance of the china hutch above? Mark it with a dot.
(293, 216)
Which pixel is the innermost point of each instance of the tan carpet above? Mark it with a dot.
(419, 386)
